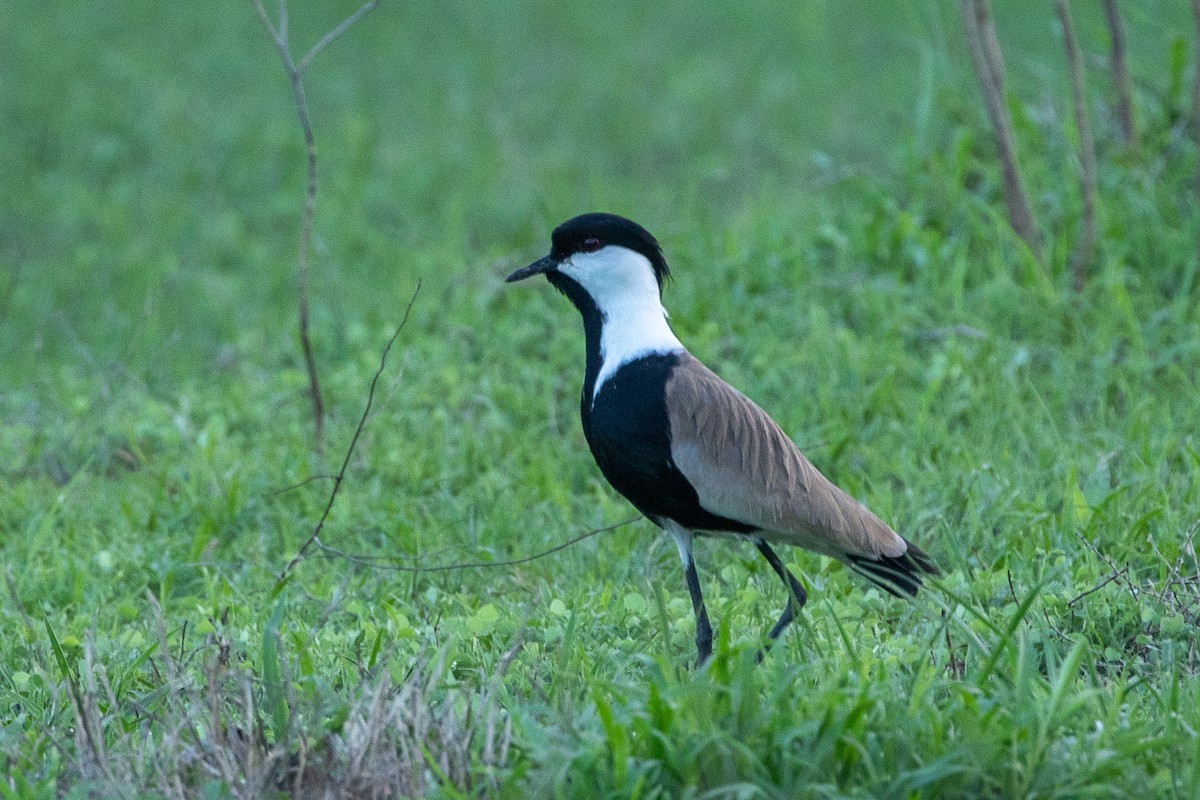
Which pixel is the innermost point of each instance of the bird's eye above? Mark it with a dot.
(591, 245)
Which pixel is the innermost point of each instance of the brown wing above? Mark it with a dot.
(745, 468)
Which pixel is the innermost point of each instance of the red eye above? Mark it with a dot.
(590, 245)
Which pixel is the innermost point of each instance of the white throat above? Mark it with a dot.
(622, 284)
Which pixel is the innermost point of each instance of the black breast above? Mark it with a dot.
(629, 433)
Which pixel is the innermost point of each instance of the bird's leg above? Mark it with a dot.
(796, 594)
(683, 541)
(704, 632)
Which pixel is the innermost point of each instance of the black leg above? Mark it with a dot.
(683, 541)
(796, 594)
(703, 627)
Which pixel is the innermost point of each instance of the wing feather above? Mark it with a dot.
(745, 468)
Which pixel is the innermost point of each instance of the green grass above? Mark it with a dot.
(826, 191)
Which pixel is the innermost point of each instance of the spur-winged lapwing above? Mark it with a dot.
(687, 449)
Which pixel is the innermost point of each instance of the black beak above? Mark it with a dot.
(543, 264)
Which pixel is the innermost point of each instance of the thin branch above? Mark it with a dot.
(295, 73)
(1012, 590)
(10, 286)
(1196, 110)
(278, 35)
(1121, 573)
(988, 61)
(1087, 151)
(956, 666)
(1120, 72)
(298, 484)
(341, 475)
(1196, 77)
(328, 38)
(306, 224)
(1112, 577)
(373, 561)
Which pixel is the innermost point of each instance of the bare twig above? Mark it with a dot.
(283, 21)
(1012, 590)
(1180, 591)
(1196, 78)
(988, 61)
(295, 73)
(374, 561)
(1120, 72)
(362, 422)
(328, 38)
(961, 330)
(1173, 569)
(298, 484)
(1196, 110)
(1087, 151)
(955, 666)
(10, 286)
(1112, 577)
(1120, 574)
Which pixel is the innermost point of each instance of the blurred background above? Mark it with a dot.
(152, 166)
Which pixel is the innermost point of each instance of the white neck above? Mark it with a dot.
(622, 284)
(632, 330)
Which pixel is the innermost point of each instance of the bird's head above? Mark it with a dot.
(612, 259)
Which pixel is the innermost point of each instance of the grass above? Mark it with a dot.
(828, 199)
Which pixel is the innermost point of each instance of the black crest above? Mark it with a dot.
(577, 235)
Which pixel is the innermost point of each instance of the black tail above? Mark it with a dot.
(899, 576)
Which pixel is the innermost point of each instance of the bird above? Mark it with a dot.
(686, 449)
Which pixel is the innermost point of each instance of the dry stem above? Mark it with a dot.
(362, 422)
(1196, 111)
(1087, 151)
(988, 61)
(1120, 72)
(295, 72)
(375, 561)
